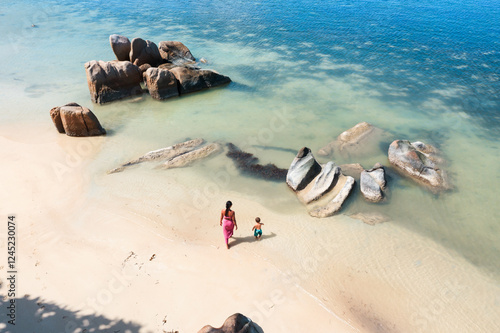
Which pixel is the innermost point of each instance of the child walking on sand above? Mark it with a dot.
(257, 228)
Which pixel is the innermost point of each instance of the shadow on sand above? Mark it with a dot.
(250, 239)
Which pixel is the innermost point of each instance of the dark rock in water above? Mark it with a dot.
(76, 120)
(109, 81)
(303, 170)
(191, 80)
(249, 164)
(420, 162)
(120, 46)
(175, 52)
(161, 83)
(144, 68)
(236, 323)
(372, 182)
(144, 52)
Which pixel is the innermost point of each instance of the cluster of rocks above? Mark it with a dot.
(324, 188)
(236, 323)
(168, 70)
(176, 156)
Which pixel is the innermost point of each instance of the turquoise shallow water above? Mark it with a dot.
(420, 70)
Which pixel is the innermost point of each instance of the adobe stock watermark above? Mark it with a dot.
(201, 197)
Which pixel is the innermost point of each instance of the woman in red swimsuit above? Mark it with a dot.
(228, 222)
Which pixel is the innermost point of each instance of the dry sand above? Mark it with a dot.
(142, 266)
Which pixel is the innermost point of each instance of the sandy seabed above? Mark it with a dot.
(112, 263)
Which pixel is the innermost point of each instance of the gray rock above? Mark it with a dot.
(323, 182)
(192, 156)
(191, 80)
(144, 52)
(161, 83)
(175, 52)
(120, 46)
(164, 153)
(372, 182)
(370, 218)
(303, 170)
(334, 206)
(109, 81)
(76, 120)
(236, 323)
(419, 161)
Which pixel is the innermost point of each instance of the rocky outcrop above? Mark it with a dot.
(323, 188)
(192, 156)
(76, 120)
(249, 164)
(163, 154)
(144, 52)
(372, 183)
(419, 161)
(303, 170)
(191, 80)
(120, 46)
(161, 83)
(109, 81)
(175, 52)
(236, 323)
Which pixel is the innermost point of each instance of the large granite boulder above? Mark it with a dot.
(372, 183)
(120, 46)
(175, 52)
(109, 81)
(420, 162)
(236, 323)
(345, 184)
(303, 170)
(76, 120)
(192, 156)
(144, 52)
(324, 182)
(191, 80)
(161, 83)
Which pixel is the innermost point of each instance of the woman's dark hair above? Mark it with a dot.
(228, 205)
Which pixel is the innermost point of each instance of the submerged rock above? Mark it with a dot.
(191, 80)
(372, 182)
(236, 323)
(175, 52)
(334, 206)
(161, 83)
(120, 46)
(370, 218)
(249, 164)
(144, 52)
(324, 182)
(164, 153)
(76, 120)
(420, 162)
(192, 156)
(303, 170)
(109, 81)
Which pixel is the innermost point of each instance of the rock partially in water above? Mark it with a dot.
(372, 183)
(191, 80)
(144, 52)
(370, 218)
(175, 52)
(249, 164)
(419, 162)
(353, 169)
(236, 323)
(324, 182)
(109, 81)
(303, 170)
(164, 153)
(336, 203)
(192, 156)
(76, 120)
(120, 46)
(161, 83)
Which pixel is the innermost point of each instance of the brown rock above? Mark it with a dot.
(191, 80)
(236, 323)
(75, 120)
(144, 52)
(109, 81)
(120, 46)
(175, 52)
(161, 83)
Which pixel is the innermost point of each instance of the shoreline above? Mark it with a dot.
(352, 278)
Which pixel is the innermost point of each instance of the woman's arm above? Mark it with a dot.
(234, 220)
(221, 217)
